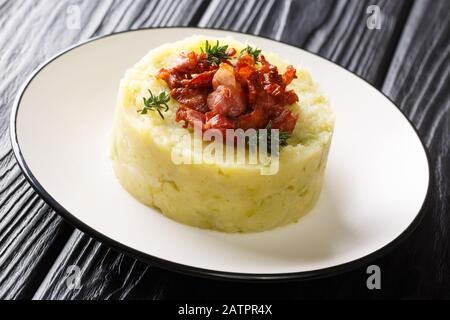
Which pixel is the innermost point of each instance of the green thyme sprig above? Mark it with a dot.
(254, 52)
(283, 137)
(156, 103)
(215, 54)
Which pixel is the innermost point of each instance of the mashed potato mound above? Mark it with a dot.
(221, 196)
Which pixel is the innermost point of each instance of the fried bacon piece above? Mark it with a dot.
(203, 79)
(173, 79)
(191, 63)
(289, 75)
(245, 68)
(230, 52)
(257, 119)
(283, 119)
(189, 116)
(208, 120)
(275, 84)
(241, 94)
(187, 65)
(218, 121)
(195, 99)
(227, 98)
(267, 95)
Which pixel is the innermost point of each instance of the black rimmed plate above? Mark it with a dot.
(376, 180)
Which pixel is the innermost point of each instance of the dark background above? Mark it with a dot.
(408, 59)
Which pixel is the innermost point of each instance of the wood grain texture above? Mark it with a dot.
(105, 274)
(406, 58)
(418, 81)
(31, 234)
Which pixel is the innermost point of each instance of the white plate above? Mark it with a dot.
(376, 180)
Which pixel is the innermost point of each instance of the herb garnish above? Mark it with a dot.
(156, 102)
(283, 136)
(254, 52)
(215, 54)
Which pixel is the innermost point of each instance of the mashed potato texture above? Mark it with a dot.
(221, 196)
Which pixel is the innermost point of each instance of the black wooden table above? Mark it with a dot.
(408, 58)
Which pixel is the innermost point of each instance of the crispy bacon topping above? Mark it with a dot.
(238, 93)
(189, 116)
(195, 99)
(228, 98)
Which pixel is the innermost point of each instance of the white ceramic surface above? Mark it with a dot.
(376, 180)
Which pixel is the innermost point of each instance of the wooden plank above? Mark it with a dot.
(30, 232)
(347, 40)
(313, 25)
(104, 274)
(418, 81)
(32, 235)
